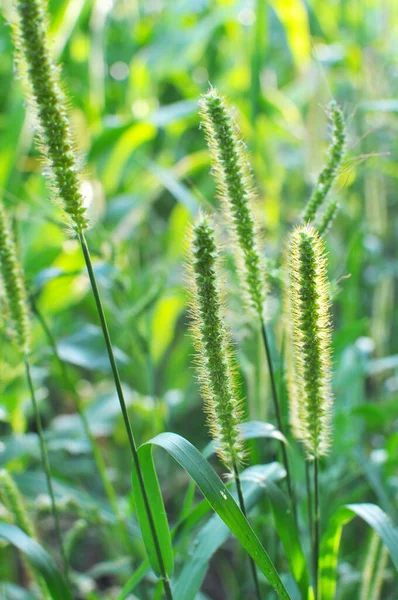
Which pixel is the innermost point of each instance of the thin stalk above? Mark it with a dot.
(98, 458)
(46, 466)
(278, 417)
(309, 504)
(243, 509)
(123, 407)
(316, 529)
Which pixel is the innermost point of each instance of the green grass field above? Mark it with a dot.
(133, 73)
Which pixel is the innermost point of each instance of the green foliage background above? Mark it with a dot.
(134, 72)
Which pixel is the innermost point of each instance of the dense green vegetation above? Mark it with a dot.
(134, 73)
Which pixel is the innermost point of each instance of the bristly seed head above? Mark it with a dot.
(12, 499)
(12, 278)
(309, 367)
(212, 342)
(233, 175)
(329, 173)
(49, 103)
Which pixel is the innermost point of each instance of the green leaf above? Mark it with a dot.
(373, 516)
(213, 535)
(287, 531)
(39, 559)
(216, 494)
(158, 511)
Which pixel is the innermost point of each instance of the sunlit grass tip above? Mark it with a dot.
(37, 68)
(309, 329)
(12, 278)
(212, 342)
(330, 171)
(234, 180)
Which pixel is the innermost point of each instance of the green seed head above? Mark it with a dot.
(12, 278)
(49, 104)
(309, 365)
(327, 217)
(329, 173)
(234, 181)
(12, 499)
(212, 342)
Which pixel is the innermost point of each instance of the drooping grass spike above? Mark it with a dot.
(215, 361)
(12, 278)
(49, 103)
(310, 331)
(12, 499)
(213, 345)
(235, 187)
(329, 173)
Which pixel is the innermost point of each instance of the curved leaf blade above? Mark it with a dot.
(213, 535)
(159, 516)
(287, 531)
(218, 497)
(39, 559)
(373, 516)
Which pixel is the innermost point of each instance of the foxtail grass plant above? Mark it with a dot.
(309, 329)
(235, 186)
(330, 171)
(214, 354)
(17, 301)
(49, 104)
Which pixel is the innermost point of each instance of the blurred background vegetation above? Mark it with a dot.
(134, 71)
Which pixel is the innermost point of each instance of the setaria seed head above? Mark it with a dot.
(49, 103)
(12, 278)
(212, 342)
(329, 173)
(307, 304)
(235, 187)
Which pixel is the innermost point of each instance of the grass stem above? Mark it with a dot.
(123, 406)
(46, 466)
(309, 506)
(278, 417)
(316, 529)
(243, 509)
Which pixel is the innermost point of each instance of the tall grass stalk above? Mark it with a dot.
(214, 359)
(123, 406)
(308, 308)
(49, 104)
(234, 180)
